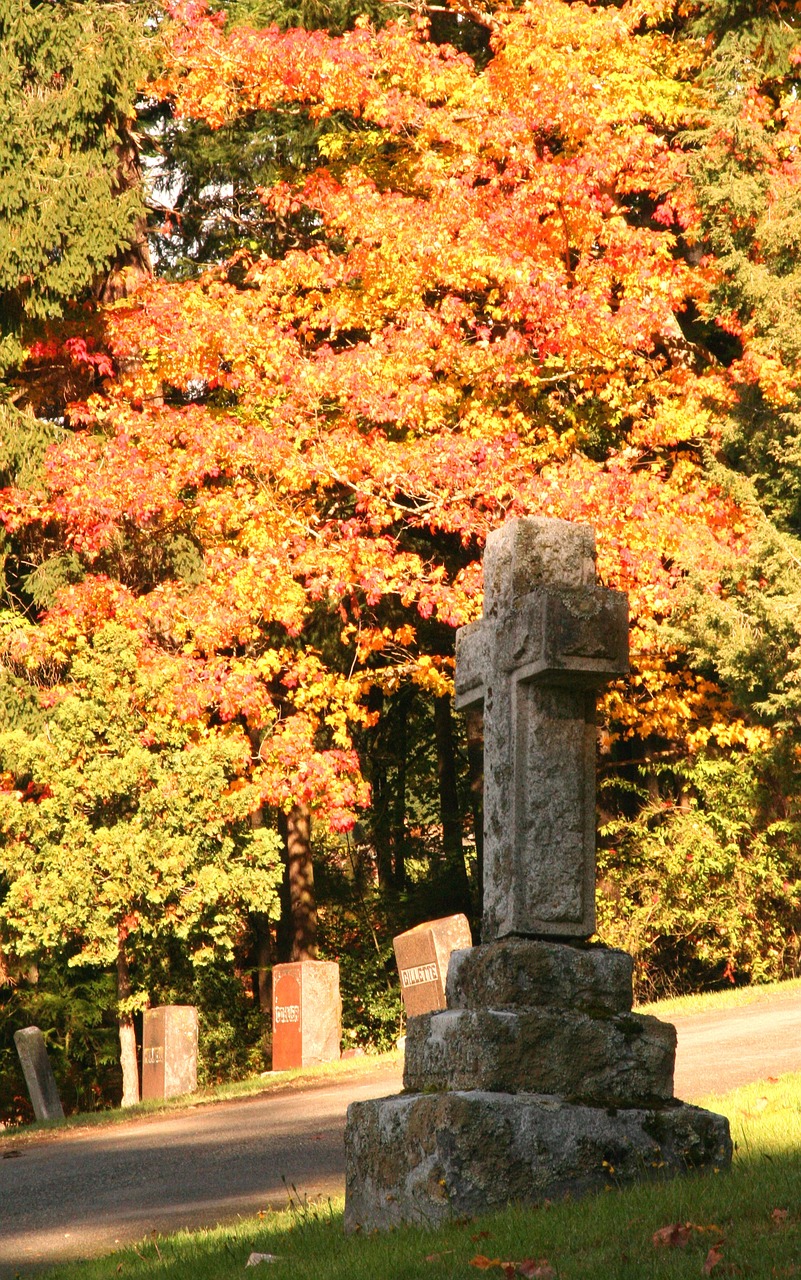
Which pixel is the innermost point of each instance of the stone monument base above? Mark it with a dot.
(424, 1158)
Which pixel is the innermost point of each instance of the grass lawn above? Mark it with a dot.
(743, 1223)
(714, 1001)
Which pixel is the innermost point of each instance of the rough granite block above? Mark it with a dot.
(625, 1060)
(427, 1158)
(522, 972)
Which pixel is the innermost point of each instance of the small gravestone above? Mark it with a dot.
(307, 1014)
(39, 1078)
(536, 1080)
(422, 955)
(169, 1051)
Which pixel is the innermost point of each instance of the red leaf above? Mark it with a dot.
(712, 1259)
(673, 1237)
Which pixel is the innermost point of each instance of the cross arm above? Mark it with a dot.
(472, 658)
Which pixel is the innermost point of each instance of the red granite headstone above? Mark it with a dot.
(422, 955)
(307, 1014)
(169, 1051)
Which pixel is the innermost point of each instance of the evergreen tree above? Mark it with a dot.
(71, 207)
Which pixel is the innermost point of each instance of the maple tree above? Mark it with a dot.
(516, 276)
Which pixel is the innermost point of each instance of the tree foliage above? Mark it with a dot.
(423, 273)
(71, 204)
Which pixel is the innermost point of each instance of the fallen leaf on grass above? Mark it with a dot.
(779, 1216)
(712, 1259)
(536, 1269)
(434, 1257)
(529, 1268)
(256, 1258)
(675, 1236)
(480, 1235)
(678, 1234)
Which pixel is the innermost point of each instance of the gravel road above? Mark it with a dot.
(82, 1193)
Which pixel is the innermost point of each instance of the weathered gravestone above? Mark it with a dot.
(307, 1014)
(42, 1087)
(169, 1051)
(537, 1080)
(422, 955)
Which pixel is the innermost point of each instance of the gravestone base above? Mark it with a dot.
(623, 1060)
(537, 1082)
(426, 1158)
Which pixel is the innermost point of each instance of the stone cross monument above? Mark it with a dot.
(548, 640)
(537, 1080)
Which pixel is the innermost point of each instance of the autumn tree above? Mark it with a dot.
(492, 287)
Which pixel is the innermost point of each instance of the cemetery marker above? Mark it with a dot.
(537, 1079)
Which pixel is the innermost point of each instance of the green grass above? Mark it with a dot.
(711, 1001)
(603, 1237)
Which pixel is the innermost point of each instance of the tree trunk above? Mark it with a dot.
(398, 836)
(475, 763)
(380, 793)
(259, 921)
(449, 804)
(302, 902)
(263, 961)
(128, 1056)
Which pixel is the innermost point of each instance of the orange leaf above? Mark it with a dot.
(673, 1237)
(712, 1259)
(483, 1262)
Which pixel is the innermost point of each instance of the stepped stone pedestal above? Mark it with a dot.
(536, 1080)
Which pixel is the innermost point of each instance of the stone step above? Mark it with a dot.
(527, 972)
(626, 1060)
(428, 1158)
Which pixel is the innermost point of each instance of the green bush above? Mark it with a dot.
(705, 890)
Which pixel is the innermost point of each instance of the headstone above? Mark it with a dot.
(422, 955)
(169, 1051)
(307, 1014)
(536, 1080)
(549, 639)
(42, 1087)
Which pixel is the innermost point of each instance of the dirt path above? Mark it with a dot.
(87, 1192)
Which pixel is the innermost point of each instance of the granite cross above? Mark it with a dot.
(550, 637)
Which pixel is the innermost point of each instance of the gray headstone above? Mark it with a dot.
(549, 639)
(169, 1051)
(39, 1078)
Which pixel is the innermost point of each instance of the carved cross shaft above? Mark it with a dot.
(550, 638)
